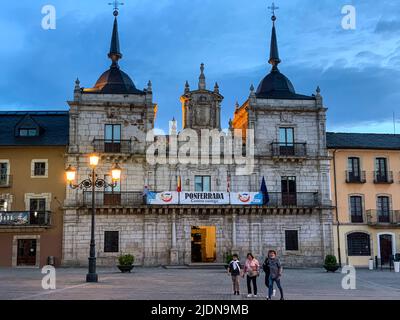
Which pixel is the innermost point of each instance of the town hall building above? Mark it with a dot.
(205, 216)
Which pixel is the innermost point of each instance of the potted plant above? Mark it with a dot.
(228, 259)
(331, 264)
(125, 262)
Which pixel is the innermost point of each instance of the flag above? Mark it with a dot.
(264, 191)
(228, 183)
(179, 184)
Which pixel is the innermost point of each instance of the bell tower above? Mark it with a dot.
(201, 108)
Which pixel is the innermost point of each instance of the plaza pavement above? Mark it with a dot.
(191, 284)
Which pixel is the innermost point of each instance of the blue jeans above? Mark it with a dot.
(271, 286)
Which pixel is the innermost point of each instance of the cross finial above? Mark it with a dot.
(273, 8)
(116, 5)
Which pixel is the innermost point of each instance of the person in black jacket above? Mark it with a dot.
(265, 267)
(235, 270)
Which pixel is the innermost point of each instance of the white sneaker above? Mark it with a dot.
(274, 293)
(249, 295)
(255, 296)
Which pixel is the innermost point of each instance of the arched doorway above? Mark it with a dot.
(385, 247)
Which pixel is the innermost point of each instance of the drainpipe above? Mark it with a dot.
(336, 205)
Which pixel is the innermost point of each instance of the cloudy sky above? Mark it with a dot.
(166, 40)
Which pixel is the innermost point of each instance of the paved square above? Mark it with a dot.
(191, 284)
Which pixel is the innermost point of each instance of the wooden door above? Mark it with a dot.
(26, 255)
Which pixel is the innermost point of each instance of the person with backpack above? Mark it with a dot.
(234, 270)
(275, 273)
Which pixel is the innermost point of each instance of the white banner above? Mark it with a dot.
(164, 198)
(246, 198)
(204, 198)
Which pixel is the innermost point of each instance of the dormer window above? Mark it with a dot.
(28, 132)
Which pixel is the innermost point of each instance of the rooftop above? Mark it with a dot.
(377, 141)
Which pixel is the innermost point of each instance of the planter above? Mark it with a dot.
(371, 264)
(331, 268)
(125, 269)
(396, 266)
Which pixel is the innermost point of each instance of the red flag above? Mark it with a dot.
(179, 185)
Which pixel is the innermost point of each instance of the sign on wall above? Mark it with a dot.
(14, 218)
(246, 198)
(204, 198)
(163, 198)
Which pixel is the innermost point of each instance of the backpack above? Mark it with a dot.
(265, 266)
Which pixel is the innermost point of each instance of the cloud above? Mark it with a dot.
(388, 26)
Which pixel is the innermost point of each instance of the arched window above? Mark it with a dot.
(358, 244)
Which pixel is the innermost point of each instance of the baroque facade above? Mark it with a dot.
(112, 119)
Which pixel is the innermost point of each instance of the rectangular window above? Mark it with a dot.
(291, 240)
(3, 173)
(112, 136)
(202, 183)
(111, 241)
(354, 166)
(356, 209)
(289, 192)
(3, 205)
(383, 209)
(286, 136)
(27, 132)
(381, 170)
(37, 205)
(39, 169)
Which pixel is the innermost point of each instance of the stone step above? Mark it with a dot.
(212, 265)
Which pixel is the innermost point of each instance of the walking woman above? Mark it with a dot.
(275, 273)
(252, 270)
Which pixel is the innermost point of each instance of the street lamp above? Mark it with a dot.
(93, 182)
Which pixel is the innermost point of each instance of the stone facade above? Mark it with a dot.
(161, 235)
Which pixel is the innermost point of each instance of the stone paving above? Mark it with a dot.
(192, 284)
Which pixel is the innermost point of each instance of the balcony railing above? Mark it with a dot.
(133, 199)
(355, 177)
(387, 217)
(112, 146)
(25, 218)
(5, 181)
(383, 177)
(288, 149)
(119, 199)
(357, 218)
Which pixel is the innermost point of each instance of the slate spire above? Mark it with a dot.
(115, 52)
(274, 52)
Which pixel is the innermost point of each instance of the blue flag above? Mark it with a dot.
(264, 191)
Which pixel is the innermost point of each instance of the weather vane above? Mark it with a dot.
(116, 5)
(273, 8)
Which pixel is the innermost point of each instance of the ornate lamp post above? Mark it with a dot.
(93, 182)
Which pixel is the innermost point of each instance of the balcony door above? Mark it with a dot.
(3, 173)
(385, 247)
(356, 209)
(37, 209)
(354, 169)
(112, 138)
(381, 170)
(289, 189)
(383, 207)
(286, 141)
(112, 195)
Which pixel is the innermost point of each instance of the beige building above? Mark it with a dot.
(365, 184)
(32, 187)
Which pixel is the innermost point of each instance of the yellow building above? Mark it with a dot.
(365, 188)
(32, 187)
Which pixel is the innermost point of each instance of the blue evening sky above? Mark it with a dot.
(166, 40)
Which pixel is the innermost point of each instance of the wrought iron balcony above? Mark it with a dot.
(5, 181)
(134, 198)
(296, 150)
(25, 218)
(355, 177)
(383, 217)
(112, 146)
(383, 177)
(119, 199)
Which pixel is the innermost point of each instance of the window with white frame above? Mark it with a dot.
(4, 172)
(39, 168)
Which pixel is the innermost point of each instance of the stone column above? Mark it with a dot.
(174, 258)
(234, 237)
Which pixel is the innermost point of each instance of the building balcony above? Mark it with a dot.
(379, 218)
(25, 218)
(286, 150)
(383, 177)
(5, 181)
(355, 177)
(110, 146)
(134, 199)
